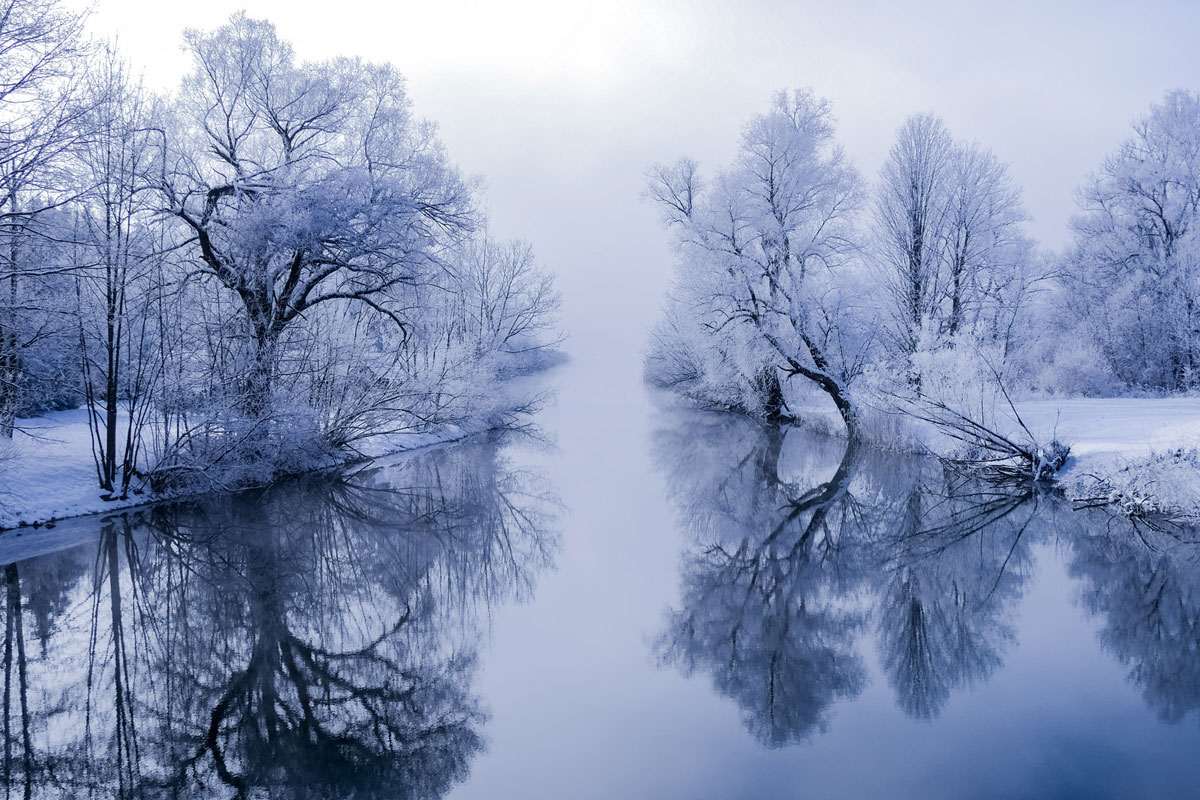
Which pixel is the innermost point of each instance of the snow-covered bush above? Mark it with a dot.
(1071, 364)
(728, 372)
(1164, 486)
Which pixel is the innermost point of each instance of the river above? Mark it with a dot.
(634, 600)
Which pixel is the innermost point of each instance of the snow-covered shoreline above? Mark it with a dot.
(47, 473)
(52, 478)
(1143, 454)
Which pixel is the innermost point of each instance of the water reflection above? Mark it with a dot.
(313, 640)
(1144, 586)
(805, 557)
(768, 590)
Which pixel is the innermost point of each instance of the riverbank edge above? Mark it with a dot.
(103, 507)
(1155, 481)
(519, 395)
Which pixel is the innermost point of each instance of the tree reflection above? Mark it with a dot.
(763, 608)
(799, 551)
(1144, 585)
(955, 558)
(311, 640)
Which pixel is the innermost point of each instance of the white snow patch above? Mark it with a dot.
(1133, 428)
(48, 471)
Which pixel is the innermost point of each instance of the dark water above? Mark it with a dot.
(663, 604)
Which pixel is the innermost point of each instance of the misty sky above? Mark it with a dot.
(562, 106)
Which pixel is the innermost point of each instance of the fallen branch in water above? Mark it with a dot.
(986, 452)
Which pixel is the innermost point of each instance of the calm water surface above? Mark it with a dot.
(644, 603)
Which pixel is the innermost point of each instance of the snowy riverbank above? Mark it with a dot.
(48, 473)
(1143, 452)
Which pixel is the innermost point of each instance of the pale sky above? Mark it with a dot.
(562, 106)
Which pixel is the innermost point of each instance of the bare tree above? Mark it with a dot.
(984, 246)
(507, 304)
(910, 218)
(39, 54)
(953, 258)
(117, 249)
(762, 247)
(305, 184)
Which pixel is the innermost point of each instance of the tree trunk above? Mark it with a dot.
(10, 375)
(773, 403)
(848, 411)
(956, 304)
(822, 376)
(110, 412)
(256, 397)
(840, 397)
(10, 357)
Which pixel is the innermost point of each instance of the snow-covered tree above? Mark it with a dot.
(39, 55)
(333, 281)
(1134, 269)
(910, 220)
(950, 248)
(759, 295)
(986, 254)
(505, 303)
(116, 255)
(305, 184)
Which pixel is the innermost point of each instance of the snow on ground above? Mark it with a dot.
(47, 471)
(1102, 428)
(1142, 454)
(1098, 430)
